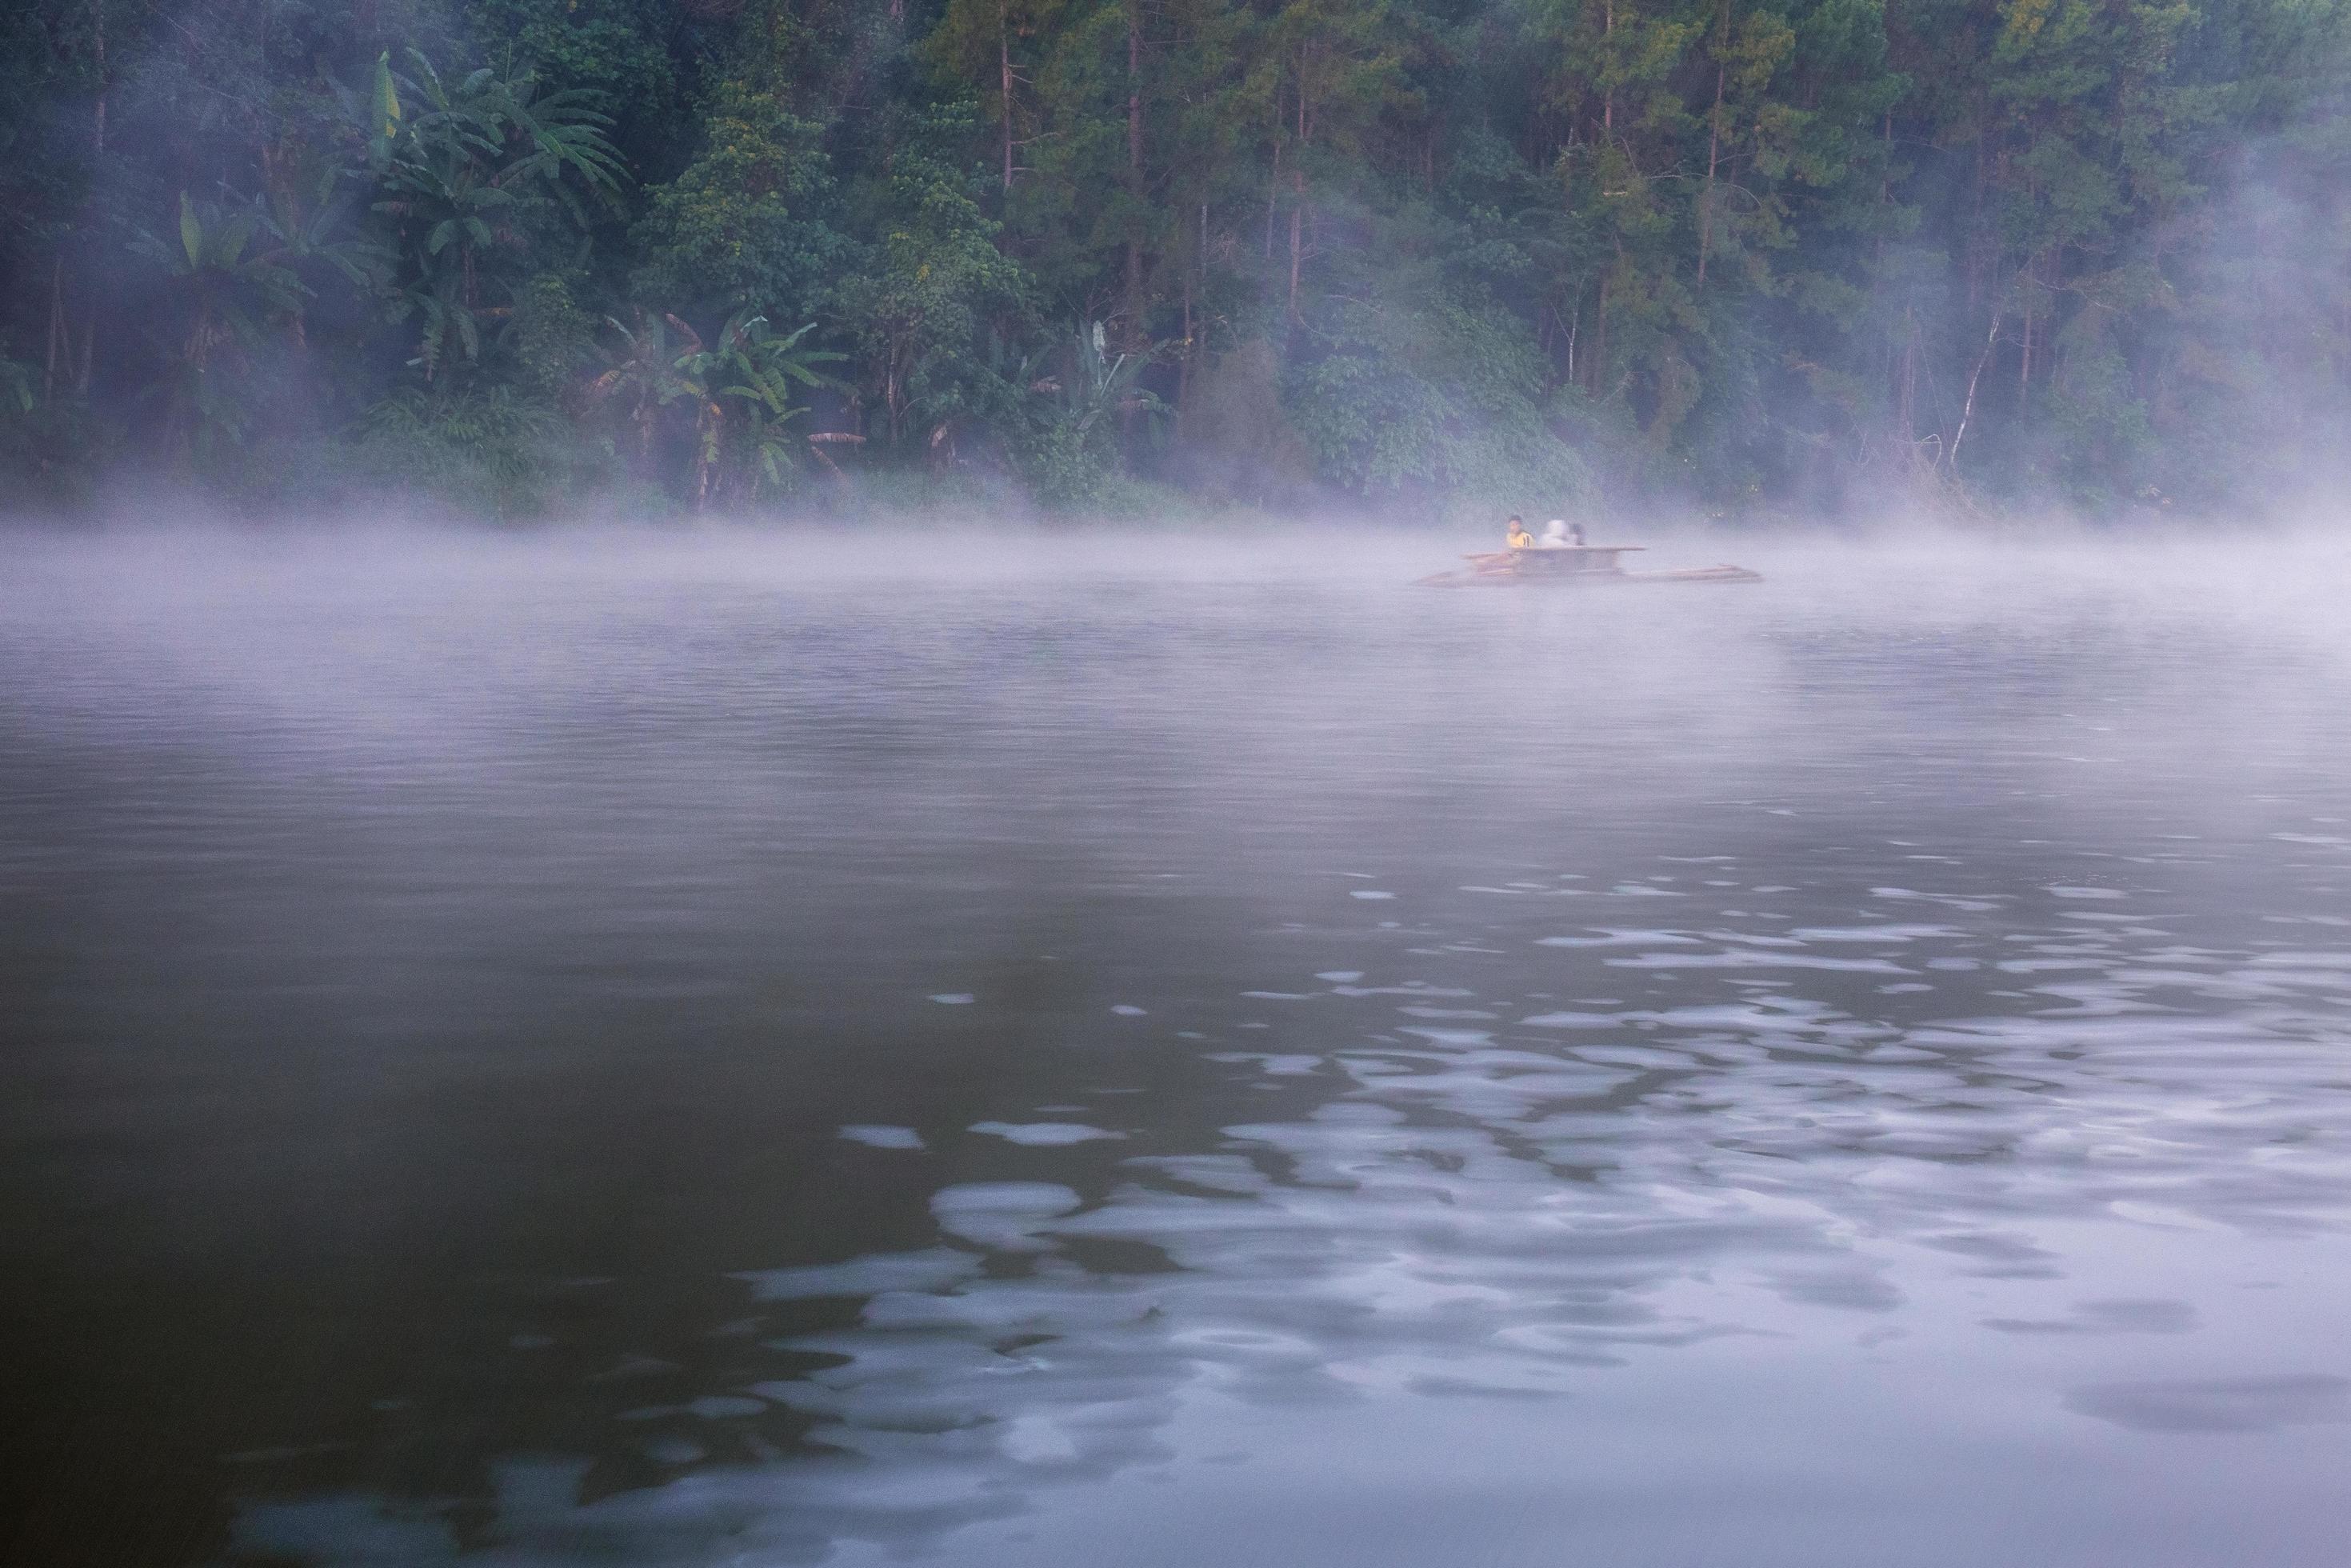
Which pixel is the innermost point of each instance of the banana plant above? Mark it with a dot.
(1068, 451)
(693, 368)
(224, 293)
(747, 376)
(461, 169)
(641, 375)
(324, 235)
(739, 385)
(1099, 385)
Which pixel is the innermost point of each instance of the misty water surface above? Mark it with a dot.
(727, 1050)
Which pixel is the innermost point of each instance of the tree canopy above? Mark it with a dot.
(1401, 255)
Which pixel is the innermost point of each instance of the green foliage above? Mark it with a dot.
(468, 177)
(555, 339)
(920, 312)
(222, 297)
(1763, 253)
(491, 450)
(742, 387)
(729, 234)
(52, 449)
(643, 377)
(1433, 398)
(1070, 451)
(616, 49)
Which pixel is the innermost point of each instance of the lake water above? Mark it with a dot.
(608, 1050)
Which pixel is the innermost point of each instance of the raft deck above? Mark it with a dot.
(1572, 564)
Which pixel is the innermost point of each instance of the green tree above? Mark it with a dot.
(922, 312)
(468, 177)
(226, 298)
(643, 379)
(1069, 454)
(737, 229)
(742, 384)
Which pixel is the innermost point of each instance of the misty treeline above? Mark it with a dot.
(1418, 254)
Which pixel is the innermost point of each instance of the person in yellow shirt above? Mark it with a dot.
(1519, 537)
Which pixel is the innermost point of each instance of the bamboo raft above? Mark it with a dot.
(1571, 566)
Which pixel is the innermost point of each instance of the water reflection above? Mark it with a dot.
(1471, 1192)
(763, 1071)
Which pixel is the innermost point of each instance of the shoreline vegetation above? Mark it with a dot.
(1199, 261)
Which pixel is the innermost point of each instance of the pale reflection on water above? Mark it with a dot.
(707, 1055)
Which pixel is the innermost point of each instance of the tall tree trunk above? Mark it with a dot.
(1967, 409)
(1272, 193)
(1907, 382)
(2025, 360)
(1600, 337)
(1297, 227)
(1184, 365)
(1004, 68)
(98, 51)
(1713, 159)
(1975, 248)
(1134, 332)
(1713, 142)
(1608, 99)
(1298, 190)
(56, 324)
(1886, 173)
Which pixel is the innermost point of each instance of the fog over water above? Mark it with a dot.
(732, 1048)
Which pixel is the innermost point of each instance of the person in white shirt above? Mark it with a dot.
(1561, 534)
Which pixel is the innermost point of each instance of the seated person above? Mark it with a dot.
(1561, 534)
(1518, 538)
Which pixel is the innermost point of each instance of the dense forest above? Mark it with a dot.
(1404, 255)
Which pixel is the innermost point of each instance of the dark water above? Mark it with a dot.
(720, 1052)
